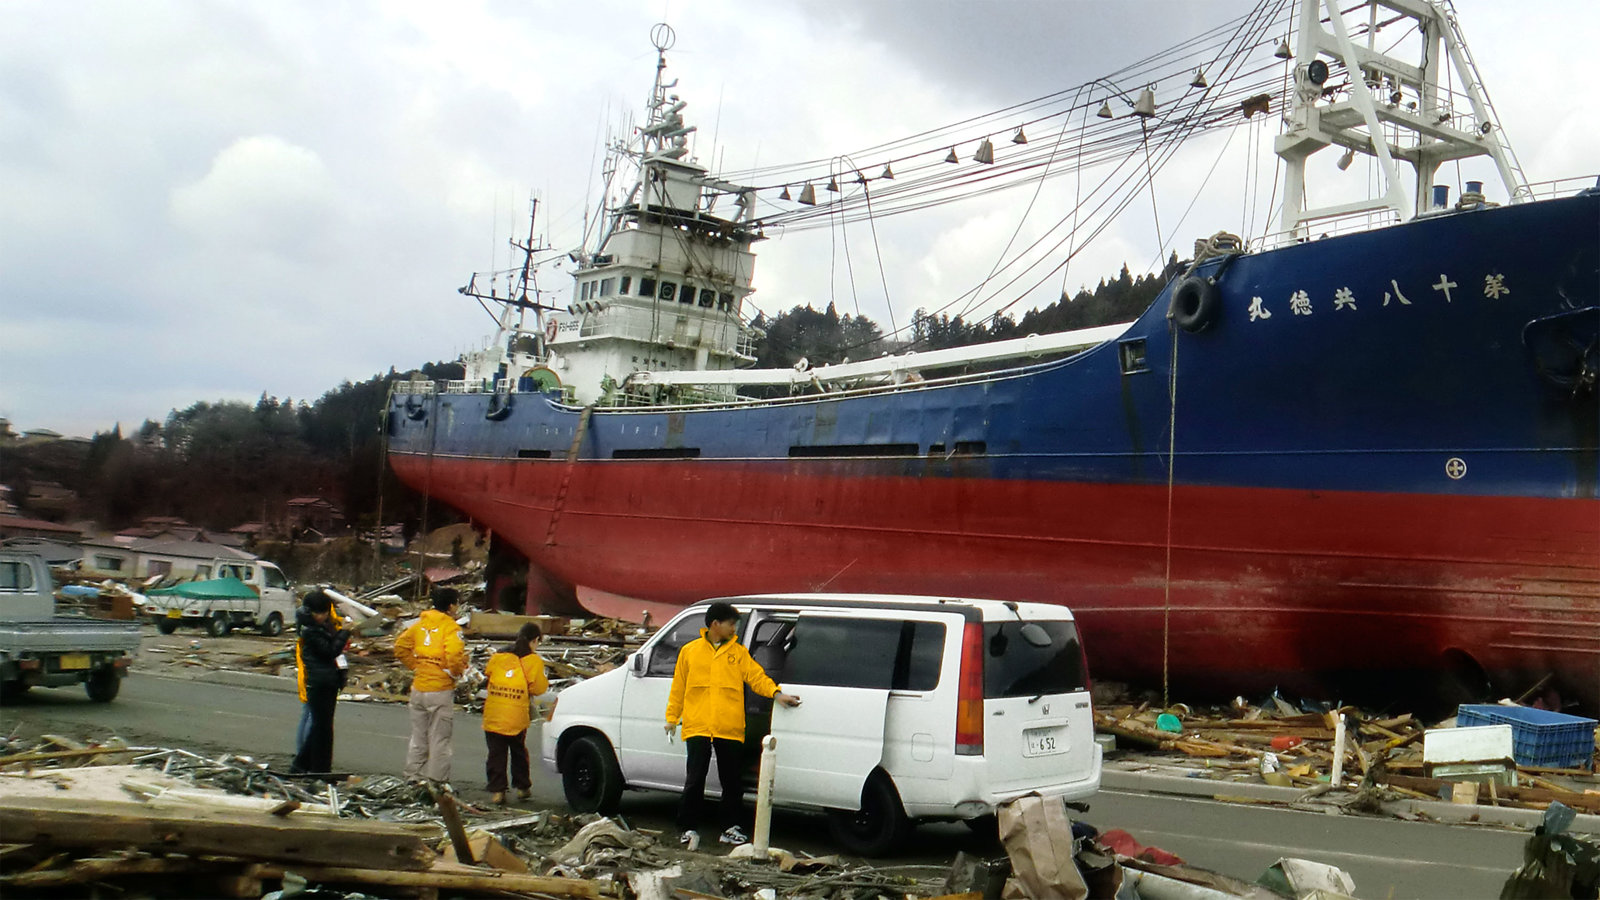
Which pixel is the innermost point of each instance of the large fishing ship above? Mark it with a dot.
(1359, 450)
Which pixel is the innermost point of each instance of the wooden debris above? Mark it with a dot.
(20, 758)
(452, 823)
(65, 822)
(447, 876)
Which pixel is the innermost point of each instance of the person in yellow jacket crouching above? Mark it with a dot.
(433, 650)
(516, 677)
(708, 699)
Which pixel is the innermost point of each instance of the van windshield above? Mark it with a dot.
(1014, 666)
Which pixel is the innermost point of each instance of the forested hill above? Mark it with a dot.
(221, 464)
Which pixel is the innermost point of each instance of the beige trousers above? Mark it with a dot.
(432, 714)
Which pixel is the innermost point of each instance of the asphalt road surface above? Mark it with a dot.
(1387, 858)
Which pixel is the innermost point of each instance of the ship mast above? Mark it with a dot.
(1396, 111)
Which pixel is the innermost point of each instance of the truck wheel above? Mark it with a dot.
(12, 691)
(103, 685)
(273, 626)
(166, 626)
(590, 776)
(878, 827)
(218, 625)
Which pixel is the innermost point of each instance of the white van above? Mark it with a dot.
(914, 708)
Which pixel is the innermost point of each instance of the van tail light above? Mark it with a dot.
(969, 699)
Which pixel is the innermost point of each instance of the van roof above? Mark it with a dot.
(987, 609)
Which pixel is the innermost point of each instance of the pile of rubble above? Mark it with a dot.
(167, 822)
(1378, 758)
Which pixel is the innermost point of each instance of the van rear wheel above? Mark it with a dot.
(590, 776)
(103, 685)
(878, 826)
(166, 626)
(273, 626)
(218, 625)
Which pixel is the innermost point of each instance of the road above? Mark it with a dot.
(1387, 858)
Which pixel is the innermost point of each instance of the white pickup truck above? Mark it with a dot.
(243, 594)
(41, 649)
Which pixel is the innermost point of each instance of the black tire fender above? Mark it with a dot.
(499, 407)
(1195, 304)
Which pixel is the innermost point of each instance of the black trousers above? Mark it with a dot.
(730, 771)
(494, 767)
(316, 755)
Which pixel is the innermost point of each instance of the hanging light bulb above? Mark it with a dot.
(1199, 79)
(785, 194)
(887, 172)
(1345, 159)
(1019, 137)
(1283, 50)
(952, 157)
(833, 184)
(1105, 110)
(808, 195)
(985, 153)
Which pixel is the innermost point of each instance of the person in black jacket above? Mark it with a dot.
(322, 654)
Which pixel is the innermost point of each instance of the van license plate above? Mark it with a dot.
(174, 614)
(1044, 741)
(74, 661)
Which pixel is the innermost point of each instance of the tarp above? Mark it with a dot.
(214, 589)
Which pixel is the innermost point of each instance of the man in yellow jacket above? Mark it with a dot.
(708, 699)
(434, 651)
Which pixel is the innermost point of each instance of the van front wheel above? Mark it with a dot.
(590, 776)
(878, 826)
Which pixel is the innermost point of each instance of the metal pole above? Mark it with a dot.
(764, 780)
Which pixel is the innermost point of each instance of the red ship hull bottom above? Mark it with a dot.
(1233, 590)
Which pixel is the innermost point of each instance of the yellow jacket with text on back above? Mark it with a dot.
(708, 688)
(433, 649)
(512, 682)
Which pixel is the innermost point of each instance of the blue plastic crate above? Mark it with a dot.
(1539, 737)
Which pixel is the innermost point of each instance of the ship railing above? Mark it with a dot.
(709, 333)
(1563, 187)
(1333, 226)
(413, 386)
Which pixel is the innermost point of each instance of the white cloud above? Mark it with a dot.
(261, 193)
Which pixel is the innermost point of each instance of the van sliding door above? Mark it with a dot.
(842, 669)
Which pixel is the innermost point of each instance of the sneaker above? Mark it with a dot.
(524, 793)
(690, 839)
(734, 835)
(498, 798)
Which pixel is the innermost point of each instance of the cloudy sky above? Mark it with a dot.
(208, 200)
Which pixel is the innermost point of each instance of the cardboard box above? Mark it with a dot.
(488, 850)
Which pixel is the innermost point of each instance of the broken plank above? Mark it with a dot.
(452, 824)
(448, 879)
(64, 822)
(97, 869)
(16, 758)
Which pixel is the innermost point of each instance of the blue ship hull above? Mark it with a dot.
(1392, 437)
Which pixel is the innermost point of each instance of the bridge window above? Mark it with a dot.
(725, 301)
(687, 294)
(667, 290)
(647, 287)
(707, 297)
(627, 282)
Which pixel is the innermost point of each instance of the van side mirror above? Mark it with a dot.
(636, 662)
